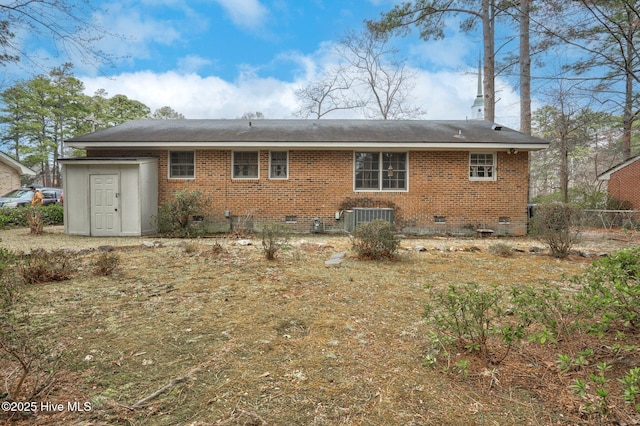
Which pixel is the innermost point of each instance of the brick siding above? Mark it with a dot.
(624, 184)
(9, 178)
(320, 182)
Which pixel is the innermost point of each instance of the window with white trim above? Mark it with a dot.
(182, 164)
(380, 171)
(245, 164)
(278, 165)
(482, 166)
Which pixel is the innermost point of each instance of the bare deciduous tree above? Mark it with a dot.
(330, 94)
(370, 76)
(377, 67)
(69, 25)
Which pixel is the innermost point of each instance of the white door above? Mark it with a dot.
(105, 217)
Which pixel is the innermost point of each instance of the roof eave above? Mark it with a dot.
(607, 174)
(413, 146)
(21, 168)
(107, 160)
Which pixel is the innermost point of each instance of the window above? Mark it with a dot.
(380, 171)
(482, 166)
(367, 169)
(182, 165)
(245, 164)
(278, 165)
(394, 170)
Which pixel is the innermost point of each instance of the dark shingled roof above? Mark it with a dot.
(180, 132)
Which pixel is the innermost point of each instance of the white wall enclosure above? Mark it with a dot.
(110, 196)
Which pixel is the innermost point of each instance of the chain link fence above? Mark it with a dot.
(609, 219)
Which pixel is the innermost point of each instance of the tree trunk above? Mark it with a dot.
(525, 68)
(564, 168)
(489, 60)
(628, 118)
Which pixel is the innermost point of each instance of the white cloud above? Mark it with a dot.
(384, 2)
(133, 32)
(444, 95)
(449, 53)
(249, 14)
(192, 64)
(195, 96)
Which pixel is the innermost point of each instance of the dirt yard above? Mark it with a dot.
(208, 332)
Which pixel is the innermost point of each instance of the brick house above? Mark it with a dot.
(623, 182)
(428, 177)
(11, 172)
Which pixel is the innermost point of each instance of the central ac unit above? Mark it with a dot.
(360, 215)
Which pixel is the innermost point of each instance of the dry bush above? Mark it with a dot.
(375, 240)
(501, 249)
(42, 266)
(215, 249)
(35, 222)
(106, 264)
(557, 225)
(190, 247)
(194, 248)
(243, 225)
(275, 236)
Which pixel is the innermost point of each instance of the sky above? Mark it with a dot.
(224, 58)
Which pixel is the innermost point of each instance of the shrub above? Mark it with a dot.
(52, 214)
(42, 266)
(375, 240)
(501, 249)
(551, 312)
(611, 290)
(557, 225)
(275, 235)
(14, 217)
(616, 204)
(106, 264)
(176, 216)
(472, 316)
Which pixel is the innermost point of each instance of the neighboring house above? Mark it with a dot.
(428, 177)
(10, 173)
(623, 182)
